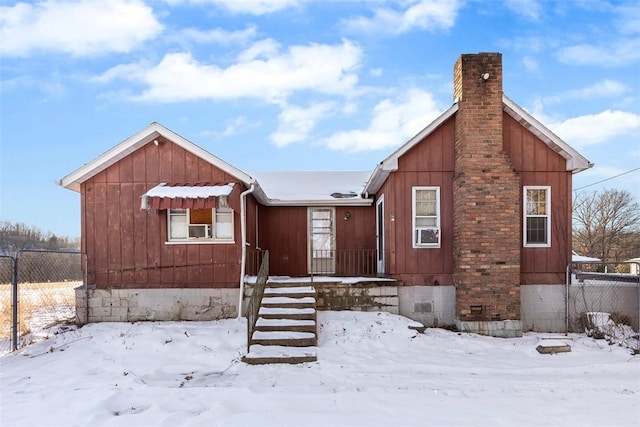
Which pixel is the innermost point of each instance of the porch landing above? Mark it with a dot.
(342, 293)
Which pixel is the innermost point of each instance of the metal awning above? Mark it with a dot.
(187, 196)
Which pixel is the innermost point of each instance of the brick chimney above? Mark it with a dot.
(486, 201)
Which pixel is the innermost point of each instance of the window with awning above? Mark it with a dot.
(195, 212)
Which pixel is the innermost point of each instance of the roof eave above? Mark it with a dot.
(73, 180)
(390, 164)
(575, 162)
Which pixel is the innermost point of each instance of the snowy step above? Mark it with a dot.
(286, 284)
(308, 313)
(284, 338)
(280, 324)
(261, 354)
(304, 302)
(293, 291)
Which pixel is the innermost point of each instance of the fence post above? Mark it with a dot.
(566, 299)
(14, 303)
(85, 263)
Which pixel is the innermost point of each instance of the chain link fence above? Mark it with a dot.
(603, 301)
(37, 291)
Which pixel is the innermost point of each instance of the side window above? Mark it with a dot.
(426, 217)
(200, 225)
(537, 216)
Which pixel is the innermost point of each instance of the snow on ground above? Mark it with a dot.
(372, 370)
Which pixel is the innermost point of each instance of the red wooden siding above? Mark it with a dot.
(126, 246)
(429, 163)
(540, 165)
(284, 232)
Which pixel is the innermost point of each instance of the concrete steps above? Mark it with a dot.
(286, 329)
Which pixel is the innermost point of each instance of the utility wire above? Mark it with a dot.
(607, 179)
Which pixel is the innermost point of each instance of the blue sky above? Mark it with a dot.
(297, 84)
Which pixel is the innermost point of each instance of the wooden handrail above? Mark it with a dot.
(253, 307)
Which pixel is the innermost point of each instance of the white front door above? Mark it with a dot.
(380, 233)
(322, 254)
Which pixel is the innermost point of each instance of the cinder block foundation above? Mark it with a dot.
(130, 305)
(494, 328)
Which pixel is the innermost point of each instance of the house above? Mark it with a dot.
(634, 265)
(471, 217)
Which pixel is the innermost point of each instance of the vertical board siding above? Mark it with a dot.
(429, 163)
(540, 165)
(283, 231)
(126, 246)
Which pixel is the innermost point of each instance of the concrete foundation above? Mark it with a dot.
(543, 308)
(433, 306)
(494, 328)
(129, 305)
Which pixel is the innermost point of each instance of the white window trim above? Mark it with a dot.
(201, 241)
(413, 218)
(526, 188)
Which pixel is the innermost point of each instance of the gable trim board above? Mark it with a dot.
(575, 161)
(155, 133)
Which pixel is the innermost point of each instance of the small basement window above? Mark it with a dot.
(200, 225)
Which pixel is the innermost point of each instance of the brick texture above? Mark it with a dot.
(486, 197)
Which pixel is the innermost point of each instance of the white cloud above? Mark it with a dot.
(78, 28)
(424, 15)
(295, 123)
(233, 127)
(614, 54)
(216, 35)
(596, 128)
(529, 9)
(252, 7)
(602, 89)
(628, 18)
(263, 49)
(329, 69)
(392, 123)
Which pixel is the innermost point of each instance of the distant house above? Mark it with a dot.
(634, 265)
(471, 217)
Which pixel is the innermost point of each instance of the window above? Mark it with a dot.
(426, 217)
(201, 225)
(537, 216)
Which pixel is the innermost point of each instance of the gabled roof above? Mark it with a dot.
(274, 188)
(575, 161)
(138, 140)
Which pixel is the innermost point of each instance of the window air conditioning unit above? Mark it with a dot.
(427, 235)
(199, 231)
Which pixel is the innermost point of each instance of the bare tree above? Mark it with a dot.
(606, 225)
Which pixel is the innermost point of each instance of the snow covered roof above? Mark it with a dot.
(314, 188)
(189, 191)
(579, 258)
(195, 196)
